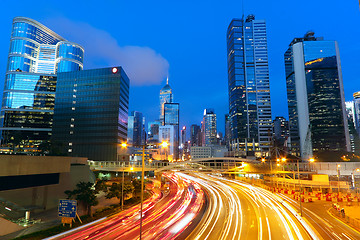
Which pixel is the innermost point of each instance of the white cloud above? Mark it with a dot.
(143, 65)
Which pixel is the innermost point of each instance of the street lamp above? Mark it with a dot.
(163, 144)
(338, 175)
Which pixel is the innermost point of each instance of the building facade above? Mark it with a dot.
(209, 129)
(36, 54)
(195, 135)
(248, 85)
(316, 104)
(356, 111)
(91, 112)
(281, 128)
(171, 118)
(135, 129)
(166, 96)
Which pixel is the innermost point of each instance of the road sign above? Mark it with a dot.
(67, 208)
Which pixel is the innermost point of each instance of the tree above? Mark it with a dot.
(84, 193)
(115, 190)
(137, 186)
(101, 185)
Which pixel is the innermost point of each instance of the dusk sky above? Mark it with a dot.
(187, 41)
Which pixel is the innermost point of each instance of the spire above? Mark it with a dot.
(167, 80)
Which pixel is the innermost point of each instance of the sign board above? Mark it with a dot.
(67, 208)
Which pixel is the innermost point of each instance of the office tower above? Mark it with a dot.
(171, 117)
(353, 135)
(166, 96)
(227, 131)
(183, 136)
(317, 116)
(153, 131)
(356, 111)
(91, 112)
(36, 54)
(195, 135)
(135, 131)
(281, 128)
(167, 134)
(248, 82)
(209, 129)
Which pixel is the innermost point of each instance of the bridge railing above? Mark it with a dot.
(127, 164)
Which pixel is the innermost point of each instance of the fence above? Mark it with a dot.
(349, 220)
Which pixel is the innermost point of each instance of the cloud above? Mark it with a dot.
(143, 65)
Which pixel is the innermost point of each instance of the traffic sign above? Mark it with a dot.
(67, 208)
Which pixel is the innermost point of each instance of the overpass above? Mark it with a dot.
(203, 164)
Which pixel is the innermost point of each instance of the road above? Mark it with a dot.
(327, 226)
(240, 211)
(164, 218)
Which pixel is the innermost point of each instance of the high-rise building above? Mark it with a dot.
(183, 136)
(317, 116)
(281, 128)
(248, 82)
(356, 111)
(167, 134)
(91, 112)
(209, 130)
(354, 137)
(135, 131)
(166, 96)
(36, 54)
(171, 117)
(153, 131)
(195, 135)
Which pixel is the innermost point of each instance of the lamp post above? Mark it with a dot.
(300, 202)
(123, 145)
(164, 145)
(338, 175)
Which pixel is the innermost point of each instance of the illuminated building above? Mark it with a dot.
(91, 112)
(356, 111)
(36, 54)
(135, 129)
(171, 118)
(195, 135)
(317, 116)
(166, 96)
(249, 90)
(209, 130)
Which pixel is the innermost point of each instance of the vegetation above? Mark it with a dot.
(85, 194)
(116, 190)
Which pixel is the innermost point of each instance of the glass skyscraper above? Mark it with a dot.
(136, 132)
(248, 83)
(91, 112)
(317, 115)
(36, 54)
(171, 117)
(209, 130)
(166, 96)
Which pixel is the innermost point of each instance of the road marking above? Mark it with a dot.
(268, 225)
(346, 236)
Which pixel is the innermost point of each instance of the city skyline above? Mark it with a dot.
(190, 78)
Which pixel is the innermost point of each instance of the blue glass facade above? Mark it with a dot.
(248, 84)
(36, 54)
(91, 112)
(171, 117)
(317, 122)
(135, 132)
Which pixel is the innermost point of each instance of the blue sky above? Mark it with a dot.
(187, 40)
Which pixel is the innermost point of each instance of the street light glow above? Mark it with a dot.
(312, 160)
(164, 144)
(124, 145)
(283, 159)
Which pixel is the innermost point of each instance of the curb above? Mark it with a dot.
(340, 220)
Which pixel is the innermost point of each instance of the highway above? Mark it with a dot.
(163, 218)
(326, 225)
(241, 211)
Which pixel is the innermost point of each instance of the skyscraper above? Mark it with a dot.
(248, 82)
(356, 111)
(209, 130)
(36, 54)
(317, 116)
(195, 135)
(136, 133)
(281, 128)
(171, 117)
(166, 96)
(91, 112)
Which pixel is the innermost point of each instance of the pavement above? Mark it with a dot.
(49, 218)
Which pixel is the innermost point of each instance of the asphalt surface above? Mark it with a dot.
(241, 211)
(325, 224)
